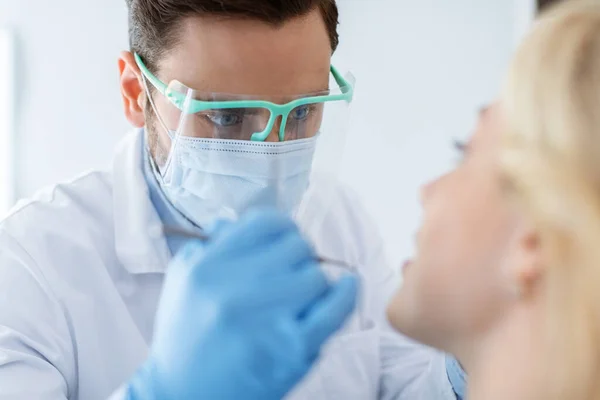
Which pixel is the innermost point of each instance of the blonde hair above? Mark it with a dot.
(551, 159)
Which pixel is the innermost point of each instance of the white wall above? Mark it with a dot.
(423, 69)
(7, 70)
(68, 107)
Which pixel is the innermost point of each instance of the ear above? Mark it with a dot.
(132, 89)
(526, 266)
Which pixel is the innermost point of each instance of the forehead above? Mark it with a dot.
(251, 57)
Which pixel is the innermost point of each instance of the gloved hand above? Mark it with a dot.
(242, 317)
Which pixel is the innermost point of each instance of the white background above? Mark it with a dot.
(6, 119)
(423, 68)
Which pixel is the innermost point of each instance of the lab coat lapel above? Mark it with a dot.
(139, 244)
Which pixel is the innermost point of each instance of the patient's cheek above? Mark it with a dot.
(393, 312)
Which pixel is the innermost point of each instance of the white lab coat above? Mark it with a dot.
(80, 278)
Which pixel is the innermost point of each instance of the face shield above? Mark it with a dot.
(219, 155)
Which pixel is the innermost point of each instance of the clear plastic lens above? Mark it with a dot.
(242, 123)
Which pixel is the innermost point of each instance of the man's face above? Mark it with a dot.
(246, 57)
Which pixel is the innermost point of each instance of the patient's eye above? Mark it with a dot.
(460, 147)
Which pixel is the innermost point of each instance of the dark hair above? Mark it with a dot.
(152, 23)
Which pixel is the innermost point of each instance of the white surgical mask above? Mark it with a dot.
(211, 178)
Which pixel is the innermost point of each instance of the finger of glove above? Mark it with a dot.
(256, 229)
(190, 254)
(290, 293)
(192, 251)
(280, 256)
(218, 228)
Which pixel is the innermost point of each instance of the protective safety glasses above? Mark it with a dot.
(238, 117)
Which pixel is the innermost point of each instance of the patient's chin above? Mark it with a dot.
(400, 314)
(408, 318)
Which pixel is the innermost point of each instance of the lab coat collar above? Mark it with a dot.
(140, 246)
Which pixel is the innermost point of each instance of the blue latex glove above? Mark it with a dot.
(243, 317)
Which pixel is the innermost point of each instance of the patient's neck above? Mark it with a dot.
(500, 363)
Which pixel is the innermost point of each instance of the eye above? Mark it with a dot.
(460, 147)
(301, 113)
(225, 118)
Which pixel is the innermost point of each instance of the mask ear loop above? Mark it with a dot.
(163, 125)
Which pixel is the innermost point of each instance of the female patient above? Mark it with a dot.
(507, 275)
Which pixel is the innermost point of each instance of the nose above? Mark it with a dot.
(274, 134)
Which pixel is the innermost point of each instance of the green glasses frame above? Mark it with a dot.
(277, 110)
